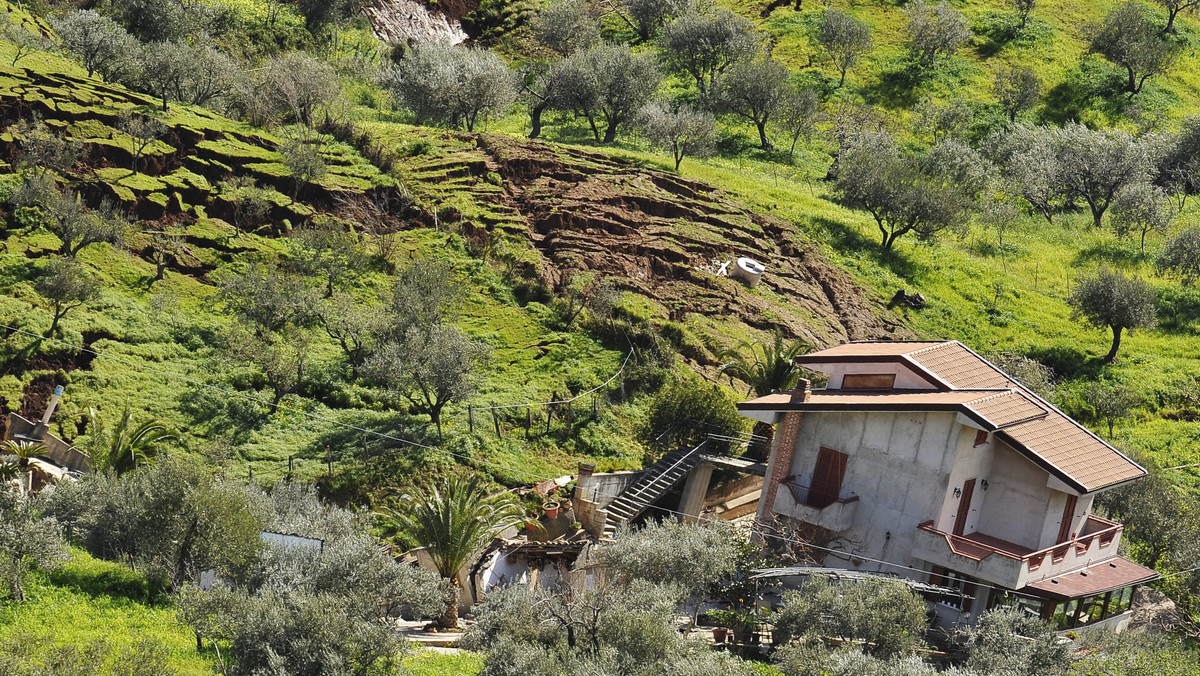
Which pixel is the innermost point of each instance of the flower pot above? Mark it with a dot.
(551, 510)
(530, 526)
(719, 634)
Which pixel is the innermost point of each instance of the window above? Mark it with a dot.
(868, 381)
(980, 437)
(943, 577)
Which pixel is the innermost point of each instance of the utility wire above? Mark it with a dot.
(513, 470)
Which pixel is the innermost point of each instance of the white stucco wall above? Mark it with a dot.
(1015, 505)
(906, 378)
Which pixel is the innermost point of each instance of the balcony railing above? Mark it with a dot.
(835, 513)
(995, 560)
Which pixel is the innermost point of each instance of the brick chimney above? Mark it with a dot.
(780, 464)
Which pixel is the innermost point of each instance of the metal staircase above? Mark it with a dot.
(656, 480)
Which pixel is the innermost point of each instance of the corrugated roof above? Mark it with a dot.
(1106, 576)
(1028, 423)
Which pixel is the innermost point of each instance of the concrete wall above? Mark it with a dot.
(594, 492)
(897, 467)
(1016, 502)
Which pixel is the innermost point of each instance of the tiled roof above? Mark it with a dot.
(995, 408)
(1028, 423)
(1102, 577)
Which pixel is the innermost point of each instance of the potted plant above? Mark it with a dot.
(720, 634)
(551, 509)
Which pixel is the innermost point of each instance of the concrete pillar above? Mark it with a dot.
(694, 492)
(780, 464)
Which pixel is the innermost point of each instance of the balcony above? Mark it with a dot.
(1010, 565)
(804, 504)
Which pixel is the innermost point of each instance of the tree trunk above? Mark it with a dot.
(1131, 85)
(435, 415)
(1171, 14)
(610, 131)
(1116, 344)
(449, 619)
(535, 119)
(762, 135)
(842, 81)
(54, 323)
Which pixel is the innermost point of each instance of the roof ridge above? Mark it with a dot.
(931, 348)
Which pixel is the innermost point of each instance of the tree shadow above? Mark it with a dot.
(1117, 252)
(1092, 85)
(107, 579)
(1068, 363)
(897, 85)
(847, 239)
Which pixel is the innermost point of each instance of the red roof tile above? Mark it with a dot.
(1051, 439)
(1095, 579)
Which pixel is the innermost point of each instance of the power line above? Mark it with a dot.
(562, 401)
(481, 461)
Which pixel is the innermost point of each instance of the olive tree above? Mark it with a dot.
(302, 157)
(566, 26)
(1095, 165)
(935, 31)
(1129, 37)
(1178, 167)
(1017, 88)
(431, 368)
(884, 614)
(143, 130)
(798, 117)
(1181, 254)
(22, 40)
(606, 82)
(1109, 299)
(163, 66)
(328, 249)
(704, 44)
(452, 85)
(922, 193)
(754, 88)
(1174, 9)
(1024, 9)
(64, 215)
(844, 38)
(299, 84)
(693, 557)
(1030, 165)
(211, 74)
(647, 17)
(1109, 402)
(680, 130)
(99, 43)
(67, 285)
(1007, 641)
(1142, 208)
(43, 149)
(27, 539)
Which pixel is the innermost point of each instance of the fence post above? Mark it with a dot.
(496, 421)
(549, 414)
(528, 420)
(595, 410)
(290, 459)
(328, 462)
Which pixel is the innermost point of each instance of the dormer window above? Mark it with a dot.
(868, 381)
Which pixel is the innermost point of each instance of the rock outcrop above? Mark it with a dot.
(409, 22)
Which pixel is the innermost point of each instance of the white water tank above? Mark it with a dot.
(749, 270)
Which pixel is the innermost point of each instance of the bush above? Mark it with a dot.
(885, 614)
(687, 410)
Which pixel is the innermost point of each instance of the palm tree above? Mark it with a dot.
(8, 472)
(452, 523)
(770, 367)
(125, 446)
(24, 450)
